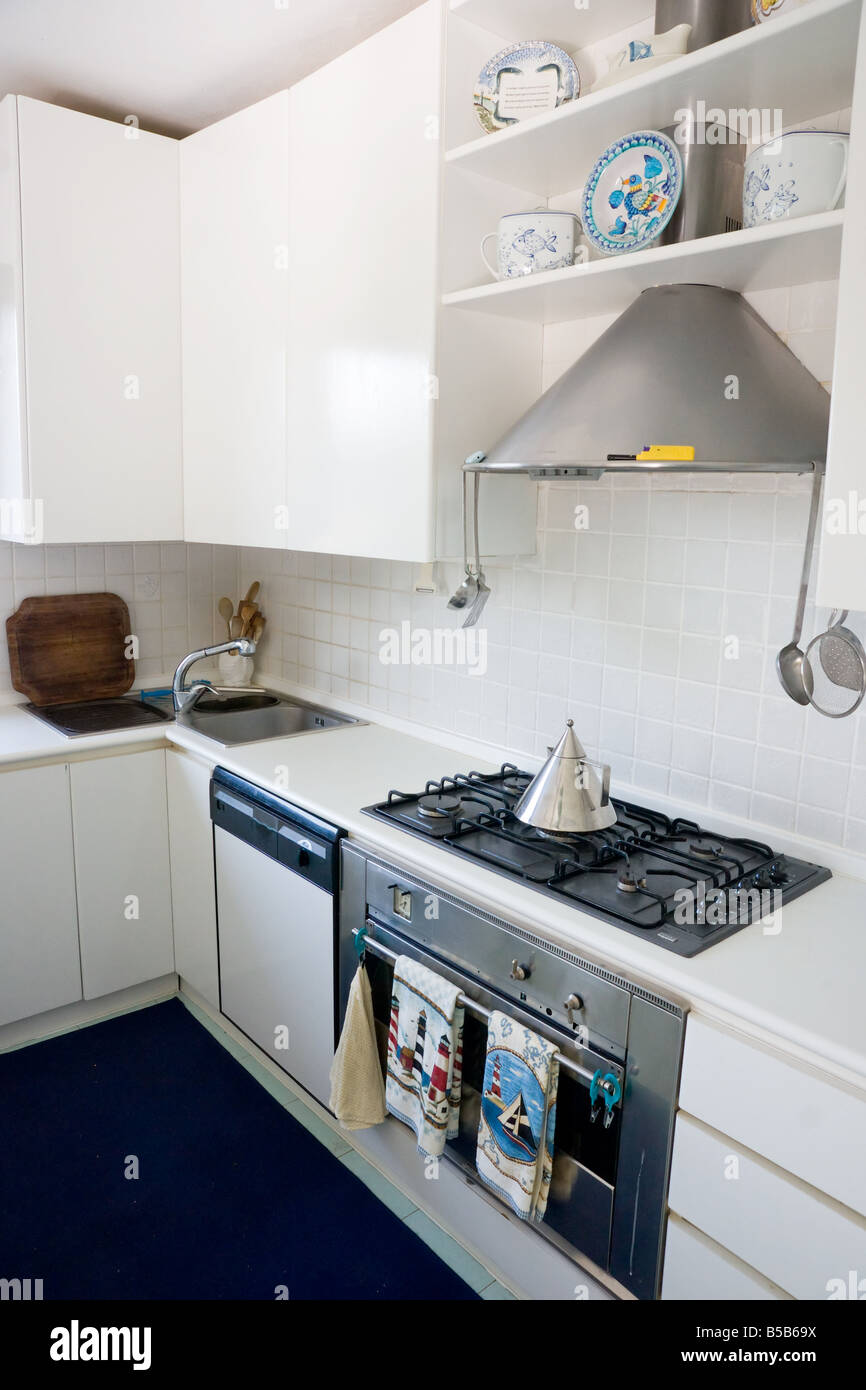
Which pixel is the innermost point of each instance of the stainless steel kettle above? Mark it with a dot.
(570, 795)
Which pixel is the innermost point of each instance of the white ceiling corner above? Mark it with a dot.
(176, 65)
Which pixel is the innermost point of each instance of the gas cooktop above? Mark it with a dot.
(669, 881)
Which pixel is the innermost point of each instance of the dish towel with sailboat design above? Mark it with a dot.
(514, 1156)
(425, 1055)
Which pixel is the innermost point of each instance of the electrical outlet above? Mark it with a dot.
(425, 581)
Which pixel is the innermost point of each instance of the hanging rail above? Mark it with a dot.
(611, 1084)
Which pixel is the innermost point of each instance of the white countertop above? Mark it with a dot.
(799, 987)
(24, 738)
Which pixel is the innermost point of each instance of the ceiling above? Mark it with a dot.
(177, 65)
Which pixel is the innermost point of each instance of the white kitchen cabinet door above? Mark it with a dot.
(100, 260)
(364, 177)
(802, 1119)
(795, 1236)
(192, 874)
(234, 293)
(696, 1269)
(39, 964)
(120, 824)
(842, 567)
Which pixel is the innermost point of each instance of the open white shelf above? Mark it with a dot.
(802, 64)
(559, 21)
(797, 252)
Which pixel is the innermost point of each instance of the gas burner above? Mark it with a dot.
(517, 784)
(706, 851)
(559, 837)
(438, 806)
(629, 884)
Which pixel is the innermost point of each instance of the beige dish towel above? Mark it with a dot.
(357, 1088)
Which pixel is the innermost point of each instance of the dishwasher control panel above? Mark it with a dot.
(292, 836)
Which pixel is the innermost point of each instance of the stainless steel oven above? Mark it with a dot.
(620, 1048)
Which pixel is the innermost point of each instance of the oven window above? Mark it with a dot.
(580, 1204)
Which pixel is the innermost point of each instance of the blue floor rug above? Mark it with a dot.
(234, 1198)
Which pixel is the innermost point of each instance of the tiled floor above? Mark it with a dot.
(449, 1250)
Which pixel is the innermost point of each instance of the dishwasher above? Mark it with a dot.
(277, 873)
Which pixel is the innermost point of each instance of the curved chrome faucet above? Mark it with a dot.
(184, 697)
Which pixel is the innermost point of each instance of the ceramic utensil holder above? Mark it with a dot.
(235, 669)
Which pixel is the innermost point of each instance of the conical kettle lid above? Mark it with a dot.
(568, 796)
(569, 745)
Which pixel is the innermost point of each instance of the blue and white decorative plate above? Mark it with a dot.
(632, 193)
(523, 80)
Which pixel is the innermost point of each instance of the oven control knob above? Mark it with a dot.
(520, 972)
(572, 1006)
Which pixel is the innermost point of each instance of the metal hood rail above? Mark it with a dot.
(684, 365)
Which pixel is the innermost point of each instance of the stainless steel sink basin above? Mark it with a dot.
(242, 700)
(251, 717)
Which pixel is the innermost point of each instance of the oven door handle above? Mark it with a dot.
(611, 1083)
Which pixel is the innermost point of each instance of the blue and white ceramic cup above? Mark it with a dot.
(529, 242)
(794, 175)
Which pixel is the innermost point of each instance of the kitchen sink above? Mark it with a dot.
(243, 700)
(253, 716)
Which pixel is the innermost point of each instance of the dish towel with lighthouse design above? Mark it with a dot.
(514, 1156)
(425, 1055)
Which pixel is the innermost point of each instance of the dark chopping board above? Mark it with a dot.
(65, 648)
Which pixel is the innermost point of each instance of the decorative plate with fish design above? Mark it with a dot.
(522, 81)
(632, 193)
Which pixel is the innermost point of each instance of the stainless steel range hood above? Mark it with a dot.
(686, 365)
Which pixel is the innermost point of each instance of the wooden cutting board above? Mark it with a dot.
(69, 647)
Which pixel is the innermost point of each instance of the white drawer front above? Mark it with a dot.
(696, 1269)
(807, 1123)
(789, 1232)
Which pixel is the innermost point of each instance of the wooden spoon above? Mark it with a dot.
(252, 593)
(248, 613)
(258, 627)
(226, 609)
(236, 628)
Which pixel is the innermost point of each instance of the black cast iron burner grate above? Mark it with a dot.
(666, 879)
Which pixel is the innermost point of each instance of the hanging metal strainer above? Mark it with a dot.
(835, 669)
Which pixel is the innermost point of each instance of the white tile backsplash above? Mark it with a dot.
(671, 682)
(171, 591)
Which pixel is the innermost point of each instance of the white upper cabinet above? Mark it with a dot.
(13, 448)
(327, 407)
(234, 294)
(842, 569)
(89, 286)
(364, 234)
(386, 400)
